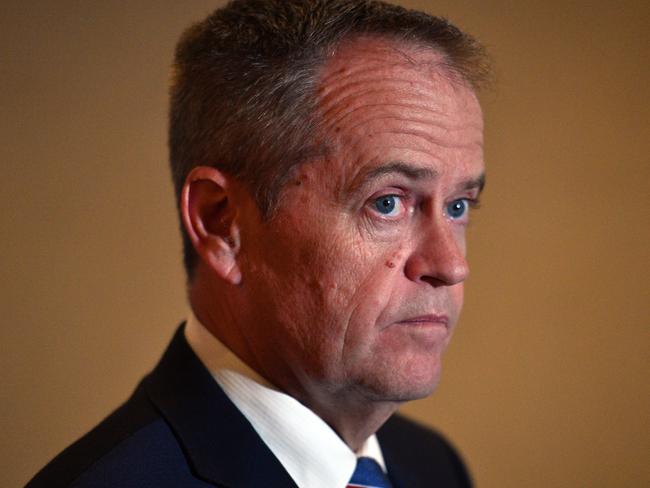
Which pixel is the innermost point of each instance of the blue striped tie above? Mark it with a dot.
(369, 474)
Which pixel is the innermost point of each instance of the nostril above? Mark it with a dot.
(434, 282)
(439, 267)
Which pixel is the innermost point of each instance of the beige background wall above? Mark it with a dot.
(546, 383)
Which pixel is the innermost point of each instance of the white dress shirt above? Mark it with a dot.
(308, 449)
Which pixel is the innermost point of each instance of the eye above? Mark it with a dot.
(390, 205)
(457, 209)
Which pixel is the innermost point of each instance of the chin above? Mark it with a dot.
(404, 385)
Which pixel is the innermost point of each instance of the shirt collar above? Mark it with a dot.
(311, 452)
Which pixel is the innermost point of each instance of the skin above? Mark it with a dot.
(335, 301)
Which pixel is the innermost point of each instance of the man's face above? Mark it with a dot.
(356, 284)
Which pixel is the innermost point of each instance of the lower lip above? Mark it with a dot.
(427, 333)
(424, 323)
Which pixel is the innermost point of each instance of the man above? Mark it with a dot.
(325, 155)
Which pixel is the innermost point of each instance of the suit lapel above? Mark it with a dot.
(398, 475)
(221, 444)
(404, 460)
(416, 456)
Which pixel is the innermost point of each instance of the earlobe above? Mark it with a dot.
(208, 213)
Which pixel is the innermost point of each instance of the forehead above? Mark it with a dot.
(383, 99)
(399, 64)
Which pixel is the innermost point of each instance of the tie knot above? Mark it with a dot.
(369, 474)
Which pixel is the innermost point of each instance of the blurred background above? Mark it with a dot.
(546, 382)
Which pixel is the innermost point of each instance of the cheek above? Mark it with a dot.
(342, 278)
(356, 270)
(362, 295)
(308, 277)
(349, 284)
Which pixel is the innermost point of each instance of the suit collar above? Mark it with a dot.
(211, 430)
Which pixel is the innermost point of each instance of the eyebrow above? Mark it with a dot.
(475, 183)
(393, 167)
(413, 173)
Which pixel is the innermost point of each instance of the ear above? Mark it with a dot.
(208, 212)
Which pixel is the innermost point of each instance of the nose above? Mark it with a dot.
(439, 258)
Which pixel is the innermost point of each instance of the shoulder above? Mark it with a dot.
(132, 447)
(419, 456)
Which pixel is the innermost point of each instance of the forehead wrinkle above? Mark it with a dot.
(381, 107)
(431, 140)
(358, 69)
(343, 94)
(423, 130)
(411, 100)
(429, 123)
(393, 81)
(379, 63)
(339, 89)
(343, 97)
(388, 71)
(429, 137)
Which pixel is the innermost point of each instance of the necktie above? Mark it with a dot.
(368, 474)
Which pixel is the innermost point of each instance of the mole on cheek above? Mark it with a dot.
(396, 257)
(302, 177)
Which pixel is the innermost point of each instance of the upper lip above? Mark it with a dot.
(430, 318)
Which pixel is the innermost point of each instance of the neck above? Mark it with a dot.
(352, 415)
(220, 317)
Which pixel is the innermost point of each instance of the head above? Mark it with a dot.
(245, 84)
(325, 155)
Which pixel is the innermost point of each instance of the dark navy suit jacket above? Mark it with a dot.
(180, 430)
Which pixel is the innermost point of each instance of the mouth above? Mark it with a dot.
(431, 320)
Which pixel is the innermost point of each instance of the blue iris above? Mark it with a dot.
(457, 208)
(386, 204)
